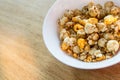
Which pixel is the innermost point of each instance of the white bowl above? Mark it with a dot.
(51, 39)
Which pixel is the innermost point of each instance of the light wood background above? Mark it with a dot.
(23, 55)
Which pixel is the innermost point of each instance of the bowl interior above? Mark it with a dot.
(51, 38)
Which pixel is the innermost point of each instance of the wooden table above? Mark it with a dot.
(23, 55)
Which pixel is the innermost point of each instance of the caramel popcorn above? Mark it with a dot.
(91, 34)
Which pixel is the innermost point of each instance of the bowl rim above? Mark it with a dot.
(111, 62)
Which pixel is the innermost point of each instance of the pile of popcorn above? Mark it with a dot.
(91, 34)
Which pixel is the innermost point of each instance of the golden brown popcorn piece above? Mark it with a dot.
(110, 19)
(81, 43)
(64, 46)
(102, 14)
(108, 5)
(101, 58)
(76, 19)
(94, 11)
(75, 55)
(93, 20)
(115, 10)
(78, 27)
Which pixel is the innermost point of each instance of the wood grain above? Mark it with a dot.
(23, 55)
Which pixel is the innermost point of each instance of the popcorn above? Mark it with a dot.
(83, 22)
(110, 19)
(76, 49)
(91, 34)
(76, 19)
(81, 43)
(115, 10)
(108, 36)
(93, 11)
(101, 58)
(101, 42)
(81, 32)
(112, 45)
(98, 53)
(93, 20)
(102, 27)
(77, 27)
(64, 46)
(63, 20)
(64, 34)
(70, 41)
(118, 24)
(90, 28)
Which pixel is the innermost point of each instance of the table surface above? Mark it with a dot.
(23, 55)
